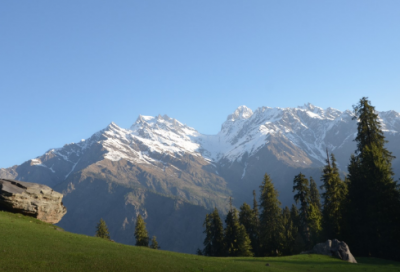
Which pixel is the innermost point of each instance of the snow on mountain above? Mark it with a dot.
(308, 127)
(390, 121)
(305, 127)
(149, 135)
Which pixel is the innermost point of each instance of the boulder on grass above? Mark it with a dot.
(334, 248)
(31, 199)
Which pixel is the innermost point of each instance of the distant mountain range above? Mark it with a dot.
(173, 175)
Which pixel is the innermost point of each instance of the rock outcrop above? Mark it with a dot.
(31, 199)
(334, 248)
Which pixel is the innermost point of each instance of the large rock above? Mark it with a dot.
(31, 199)
(335, 248)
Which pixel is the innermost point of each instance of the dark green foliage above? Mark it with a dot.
(315, 198)
(237, 241)
(249, 219)
(154, 243)
(141, 235)
(270, 219)
(255, 235)
(230, 233)
(244, 243)
(246, 217)
(289, 233)
(335, 192)
(102, 230)
(208, 246)
(314, 224)
(373, 207)
(369, 130)
(294, 215)
(299, 244)
(314, 214)
(214, 241)
(302, 196)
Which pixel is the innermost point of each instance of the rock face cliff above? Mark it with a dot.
(31, 199)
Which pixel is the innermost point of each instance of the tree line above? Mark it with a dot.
(363, 209)
(141, 234)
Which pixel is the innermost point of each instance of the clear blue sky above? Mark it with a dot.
(69, 68)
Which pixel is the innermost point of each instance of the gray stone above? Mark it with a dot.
(336, 249)
(31, 199)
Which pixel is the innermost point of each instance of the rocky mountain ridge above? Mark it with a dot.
(310, 128)
(160, 160)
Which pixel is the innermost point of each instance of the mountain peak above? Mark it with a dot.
(141, 120)
(311, 107)
(241, 113)
(112, 125)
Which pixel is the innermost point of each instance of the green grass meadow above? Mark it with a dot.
(27, 244)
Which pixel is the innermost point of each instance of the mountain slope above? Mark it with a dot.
(64, 251)
(164, 169)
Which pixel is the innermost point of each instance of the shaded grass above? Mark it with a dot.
(27, 244)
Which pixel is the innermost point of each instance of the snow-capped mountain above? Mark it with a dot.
(298, 137)
(160, 160)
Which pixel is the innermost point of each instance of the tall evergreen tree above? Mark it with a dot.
(255, 237)
(141, 235)
(374, 200)
(270, 219)
(237, 240)
(289, 232)
(102, 230)
(315, 197)
(314, 212)
(300, 186)
(249, 219)
(314, 224)
(246, 218)
(208, 246)
(334, 194)
(244, 243)
(214, 241)
(294, 215)
(299, 244)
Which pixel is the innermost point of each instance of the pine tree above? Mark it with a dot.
(141, 235)
(334, 196)
(270, 219)
(314, 212)
(208, 247)
(303, 196)
(315, 198)
(314, 224)
(246, 218)
(289, 232)
(102, 230)
(374, 200)
(255, 237)
(294, 215)
(299, 244)
(244, 243)
(214, 241)
(154, 243)
(237, 240)
(249, 219)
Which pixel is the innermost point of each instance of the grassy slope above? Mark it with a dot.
(27, 244)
